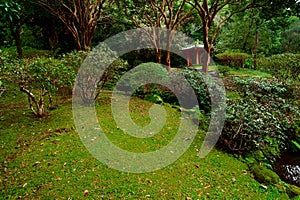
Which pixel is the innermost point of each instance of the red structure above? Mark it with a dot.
(194, 54)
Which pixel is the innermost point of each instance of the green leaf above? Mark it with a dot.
(296, 144)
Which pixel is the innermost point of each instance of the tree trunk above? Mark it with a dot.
(255, 49)
(168, 61)
(206, 57)
(52, 36)
(206, 61)
(16, 32)
(19, 45)
(158, 56)
(168, 54)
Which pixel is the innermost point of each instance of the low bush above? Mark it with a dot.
(42, 77)
(224, 70)
(262, 119)
(28, 52)
(194, 78)
(99, 68)
(233, 59)
(282, 66)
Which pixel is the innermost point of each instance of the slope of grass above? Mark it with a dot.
(249, 73)
(45, 159)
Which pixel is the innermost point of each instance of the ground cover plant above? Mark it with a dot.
(44, 158)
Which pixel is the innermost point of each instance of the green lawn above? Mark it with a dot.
(249, 73)
(45, 159)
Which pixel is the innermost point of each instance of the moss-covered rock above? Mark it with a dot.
(284, 196)
(296, 198)
(294, 190)
(154, 98)
(264, 175)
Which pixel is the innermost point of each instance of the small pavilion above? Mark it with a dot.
(194, 53)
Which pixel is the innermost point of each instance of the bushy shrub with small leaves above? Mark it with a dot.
(282, 66)
(262, 119)
(233, 59)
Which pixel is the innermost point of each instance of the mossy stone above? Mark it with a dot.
(154, 98)
(284, 196)
(296, 198)
(264, 175)
(295, 190)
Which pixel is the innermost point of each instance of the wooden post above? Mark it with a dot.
(197, 56)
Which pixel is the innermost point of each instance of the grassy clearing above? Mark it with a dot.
(249, 73)
(45, 159)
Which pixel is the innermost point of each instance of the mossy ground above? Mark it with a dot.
(45, 159)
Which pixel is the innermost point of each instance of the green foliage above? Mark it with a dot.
(294, 190)
(193, 77)
(39, 77)
(295, 142)
(10, 10)
(224, 70)
(233, 59)
(100, 67)
(150, 89)
(47, 73)
(28, 52)
(197, 82)
(74, 58)
(290, 38)
(282, 66)
(263, 119)
(249, 63)
(154, 98)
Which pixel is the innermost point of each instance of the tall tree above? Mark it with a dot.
(258, 30)
(290, 38)
(12, 13)
(79, 16)
(216, 13)
(163, 14)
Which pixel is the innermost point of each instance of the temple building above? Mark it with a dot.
(194, 53)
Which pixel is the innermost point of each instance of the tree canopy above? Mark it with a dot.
(249, 26)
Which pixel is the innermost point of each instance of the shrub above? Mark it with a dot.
(224, 70)
(74, 58)
(28, 52)
(149, 89)
(231, 59)
(39, 78)
(282, 66)
(194, 78)
(42, 77)
(100, 67)
(261, 120)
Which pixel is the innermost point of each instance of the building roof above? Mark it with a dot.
(192, 46)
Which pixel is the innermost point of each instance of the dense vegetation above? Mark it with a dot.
(257, 56)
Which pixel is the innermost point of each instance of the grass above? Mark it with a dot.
(45, 159)
(249, 73)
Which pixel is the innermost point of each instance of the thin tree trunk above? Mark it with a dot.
(19, 45)
(255, 49)
(206, 57)
(168, 53)
(206, 61)
(17, 36)
(168, 61)
(158, 55)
